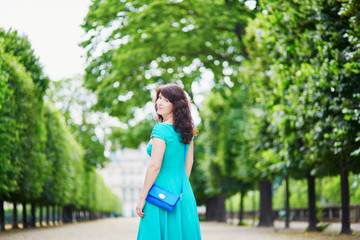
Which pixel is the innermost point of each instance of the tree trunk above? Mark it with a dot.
(254, 208)
(241, 212)
(53, 215)
(24, 216)
(345, 200)
(215, 208)
(33, 220)
(41, 215)
(47, 215)
(2, 216)
(67, 214)
(312, 203)
(58, 214)
(14, 222)
(287, 205)
(266, 215)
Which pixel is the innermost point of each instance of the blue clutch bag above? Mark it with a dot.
(162, 197)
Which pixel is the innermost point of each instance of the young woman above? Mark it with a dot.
(173, 130)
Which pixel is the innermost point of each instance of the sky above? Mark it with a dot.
(53, 28)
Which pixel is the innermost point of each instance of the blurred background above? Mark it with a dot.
(275, 90)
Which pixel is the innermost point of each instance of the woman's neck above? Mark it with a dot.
(168, 119)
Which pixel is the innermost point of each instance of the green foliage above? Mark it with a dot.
(350, 10)
(41, 161)
(222, 160)
(10, 166)
(3, 80)
(75, 103)
(306, 95)
(275, 86)
(20, 47)
(97, 196)
(145, 44)
(303, 81)
(131, 136)
(327, 189)
(22, 123)
(149, 43)
(285, 101)
(29, 143)
(65, 156)
(251, 202)
(76, 150)
(74, 180)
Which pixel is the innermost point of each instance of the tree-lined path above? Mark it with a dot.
(275, 85)
(126, 228)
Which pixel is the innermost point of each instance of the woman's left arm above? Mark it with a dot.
(153, 169)
(189, 158)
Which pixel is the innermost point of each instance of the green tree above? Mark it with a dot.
(157, 42)
(41, 160)
(29, 84)
(20, 47)
(338, 86)
(311, 88)
(77, 122)
(59, 182)
(10, 166)
(350, 10)
(75, 103)
(222, 168)
(149, 43)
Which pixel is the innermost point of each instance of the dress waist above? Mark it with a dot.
(172, 166)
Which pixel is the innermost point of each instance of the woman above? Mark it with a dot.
(166, 148)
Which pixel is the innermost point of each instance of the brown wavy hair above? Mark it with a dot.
(183, 121)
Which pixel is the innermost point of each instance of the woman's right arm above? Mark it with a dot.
(153, 169)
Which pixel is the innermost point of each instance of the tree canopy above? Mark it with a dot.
(285, 78)
(41, 159)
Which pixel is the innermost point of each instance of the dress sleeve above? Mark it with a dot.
(159, 131)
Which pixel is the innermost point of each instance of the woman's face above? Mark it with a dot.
(164, 106)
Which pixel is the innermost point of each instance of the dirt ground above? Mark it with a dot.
(126, 228)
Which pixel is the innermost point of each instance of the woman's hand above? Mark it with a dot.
(139, 208)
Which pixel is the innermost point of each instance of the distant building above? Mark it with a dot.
(125, 176)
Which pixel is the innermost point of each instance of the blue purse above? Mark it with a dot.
(162, 197)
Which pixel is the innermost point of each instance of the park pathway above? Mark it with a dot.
(126, 229)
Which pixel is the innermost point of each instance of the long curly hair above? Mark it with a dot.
(183, 121)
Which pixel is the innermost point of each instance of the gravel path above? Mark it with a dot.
(126, 228)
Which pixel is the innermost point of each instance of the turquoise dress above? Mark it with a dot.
(183, 223)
